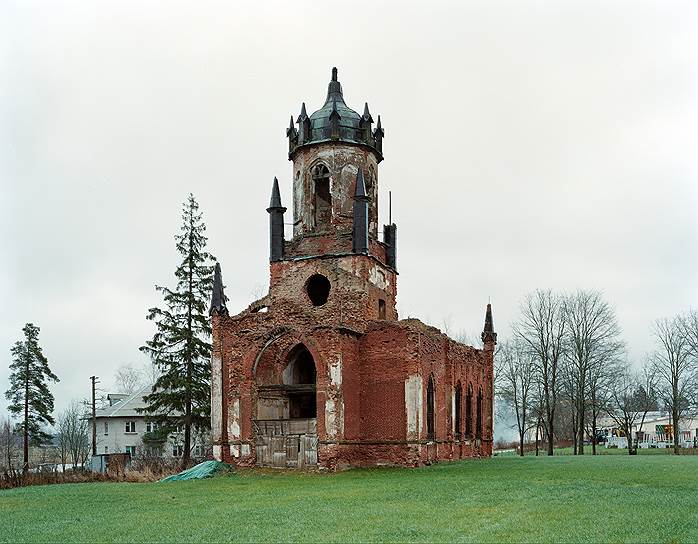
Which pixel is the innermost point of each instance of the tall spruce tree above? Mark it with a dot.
(29, 395)
(181, 347)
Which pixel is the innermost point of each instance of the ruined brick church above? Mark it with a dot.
(321, 371)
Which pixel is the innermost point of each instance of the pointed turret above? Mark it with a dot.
(334, 89)
(276, 224)
(367, 114)
(365, 122)
(360, 229)
(292, 135)
(378, 135)
(303, 126)
(488, 335)
(218, 298)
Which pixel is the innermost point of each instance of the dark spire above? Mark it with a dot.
(334, 89)
(360, 191)
(364, 132)
(378, 136)
(367, 114)
(488, 334)
(360, 229)
(292, 135)
(275, 202)
(276, 224)
(303, 126)
(218, 298)
(303, 114)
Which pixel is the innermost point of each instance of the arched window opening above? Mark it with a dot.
(469, 412)
(457, 415)
(322, 195)
(478, 420)
(300, 379)
(318, 289)
(430, 408)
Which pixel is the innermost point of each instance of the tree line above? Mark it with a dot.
(566, 367)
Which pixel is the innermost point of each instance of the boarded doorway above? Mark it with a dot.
(286, 424)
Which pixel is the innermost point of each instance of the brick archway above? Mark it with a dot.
(285, 419)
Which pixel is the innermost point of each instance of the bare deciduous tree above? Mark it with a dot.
(10, 446)
(128, 379)
(150, 373)
(592, 345)
(73, 435)
(516, 379)
(689, 324)
(542, 328)
(602, 375)
(675, 366)
(632, 395)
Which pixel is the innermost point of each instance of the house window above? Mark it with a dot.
(457, 415)
(381, 308)
(131, 450)
(130, 426)
(469, 412)
(106, 449)
(150, 427)
(177, 450)
(198, 450)
(106, 427)
(430, 408)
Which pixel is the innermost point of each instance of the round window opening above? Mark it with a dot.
(318, 288)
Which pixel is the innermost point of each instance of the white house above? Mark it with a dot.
(121, 427)
(657, 432)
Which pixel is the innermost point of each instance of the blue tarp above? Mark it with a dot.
(202, 470)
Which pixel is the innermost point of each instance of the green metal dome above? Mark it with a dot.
(335, 121)
(348, 119)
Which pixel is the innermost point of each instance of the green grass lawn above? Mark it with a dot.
(610, 498)
(601, 450)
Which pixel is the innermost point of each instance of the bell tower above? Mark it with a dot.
(335, 153)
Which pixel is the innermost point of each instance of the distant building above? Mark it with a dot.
(657, 432)
(121, 428)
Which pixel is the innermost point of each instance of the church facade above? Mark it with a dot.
(320, 371)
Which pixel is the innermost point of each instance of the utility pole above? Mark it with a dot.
(93, 379)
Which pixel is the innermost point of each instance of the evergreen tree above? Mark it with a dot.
(181, 347)
(28, 394)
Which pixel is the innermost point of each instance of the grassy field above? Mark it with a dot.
(601, 450)
(506, 499)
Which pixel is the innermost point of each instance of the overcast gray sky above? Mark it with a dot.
(528, 144)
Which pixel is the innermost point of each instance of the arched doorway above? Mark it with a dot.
(300, 377)
(286, 423)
